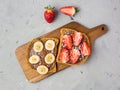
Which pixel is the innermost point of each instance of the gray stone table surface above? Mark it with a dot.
(22, 20)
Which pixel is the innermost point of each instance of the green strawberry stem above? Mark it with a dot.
(49, 8)
(71, 18)
(76, 11)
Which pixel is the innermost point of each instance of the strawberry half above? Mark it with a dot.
(67, 41)
(64, 55)
(77, 38)
(85, 49)
(69, 10)
(74, 55)
(49, 14)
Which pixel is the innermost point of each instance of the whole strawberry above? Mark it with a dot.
(49, 14)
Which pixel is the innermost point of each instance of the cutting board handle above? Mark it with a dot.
(97, 31)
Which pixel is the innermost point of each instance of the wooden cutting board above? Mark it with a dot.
(31, 74)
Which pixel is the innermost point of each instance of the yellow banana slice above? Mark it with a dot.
(50, 44)
(49, 58)
(42, 69)
(38, 46)
(34, 59)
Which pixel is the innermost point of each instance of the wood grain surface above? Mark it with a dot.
(31, 74)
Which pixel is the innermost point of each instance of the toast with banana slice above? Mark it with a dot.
(41, 54)
(74, 47)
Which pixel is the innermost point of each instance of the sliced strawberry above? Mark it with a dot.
(67, 41)
(64, 55)
(69, 10)
(74, 55)
(85, 49)
(77, 38)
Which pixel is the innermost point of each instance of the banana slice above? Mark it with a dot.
(34, 59)
(50, 44)
(49, 58)
(38, 46)
(42, 69)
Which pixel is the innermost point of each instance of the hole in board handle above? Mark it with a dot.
(103, 29)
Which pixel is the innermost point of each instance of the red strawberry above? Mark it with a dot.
(74, 55)
(49, 14)
(67, 41)
(69, 10)
(85, 49)
(64, 55)
(77, 37)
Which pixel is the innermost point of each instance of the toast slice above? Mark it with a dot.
(68, 31)
(42, 54)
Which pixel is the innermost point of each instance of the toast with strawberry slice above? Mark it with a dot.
(74, 47)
